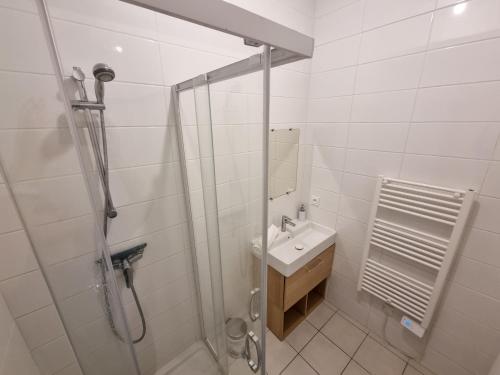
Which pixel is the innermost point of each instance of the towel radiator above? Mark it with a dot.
(413, 234)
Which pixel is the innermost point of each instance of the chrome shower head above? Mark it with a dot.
(102, 73)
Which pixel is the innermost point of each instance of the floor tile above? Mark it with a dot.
(324, 356)
(320, 315)
(278, 354)
(344, 334)
(298, 367)
(301, 335)
(354, 369)
(386, 345)
(353, 321)
(378, 360)
(411, 371)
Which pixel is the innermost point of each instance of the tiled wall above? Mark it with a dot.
(149, 52)
(236, 110)
(410, 89)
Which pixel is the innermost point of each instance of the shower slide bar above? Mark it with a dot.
(421, 205)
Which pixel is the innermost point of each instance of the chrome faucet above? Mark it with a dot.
(284, 221)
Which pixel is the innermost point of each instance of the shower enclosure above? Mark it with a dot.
(177, 146)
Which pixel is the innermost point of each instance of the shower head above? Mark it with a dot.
(102, 73)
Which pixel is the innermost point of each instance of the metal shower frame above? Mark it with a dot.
(282, 45)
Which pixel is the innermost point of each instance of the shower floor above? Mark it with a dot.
(195, 360)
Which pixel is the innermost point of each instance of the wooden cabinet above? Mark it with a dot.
(291, 299)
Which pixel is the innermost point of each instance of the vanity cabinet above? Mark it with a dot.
(291, 299)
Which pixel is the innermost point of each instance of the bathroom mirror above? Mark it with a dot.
(283, 161)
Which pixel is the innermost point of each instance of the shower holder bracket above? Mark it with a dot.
(130, 255)
(85, 104)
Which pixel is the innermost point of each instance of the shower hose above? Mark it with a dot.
(128, 272)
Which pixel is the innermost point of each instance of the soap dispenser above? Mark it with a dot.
(302, 212)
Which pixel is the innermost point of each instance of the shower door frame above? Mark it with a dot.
(259, 62)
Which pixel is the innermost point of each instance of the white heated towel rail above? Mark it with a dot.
(417, 203)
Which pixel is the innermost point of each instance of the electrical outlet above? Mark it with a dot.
(315, 200)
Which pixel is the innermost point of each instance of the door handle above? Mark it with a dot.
(253, 315)
(252, 338)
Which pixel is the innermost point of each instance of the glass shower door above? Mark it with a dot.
(222, 136)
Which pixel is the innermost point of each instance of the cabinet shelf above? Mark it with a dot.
(291, 299)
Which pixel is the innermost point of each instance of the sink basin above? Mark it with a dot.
(284, 256)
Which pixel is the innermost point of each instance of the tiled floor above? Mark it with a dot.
(329, 343)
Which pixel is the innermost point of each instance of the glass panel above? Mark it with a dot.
(237, 127)
(223, 148)
(52, 220)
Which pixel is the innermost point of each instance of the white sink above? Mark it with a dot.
(283, 255)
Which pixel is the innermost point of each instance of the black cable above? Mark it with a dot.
(141, 313)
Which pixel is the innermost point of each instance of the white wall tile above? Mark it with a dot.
(63, 240)
(465, 353)
(482, 246)
(401, 38)
(406, 123)
(45, 201)
(437, 361)
(354, 208)
(471, 62)
(358, 186)
(179, 32)
(378, 136)
(31, 154)
(138, 184)
(471, 102)
(328, 134)
(126, 146)
(322, 216)
(139, 219)
(457, 173)
(372, 163)
(326, 179)
(40, 326)
(288, 83)
(485, 339)
(332, 83)
(9, 220)
(393, 74)
(378, 13)
(467, 272)
(329, 200)
(487, 216)
(447, 139)
(133, 59)
(491, 185)
(330, 110)
(17, 255)
(17, 358)
(336, 54)
(26, 293)
(325, 6)
(285, 110)
(328, 157)
(133, 104)
(180, 63)
(341, 23)
(23, 43)
(395, 106)
(30, 101)
(126, 18)
(54, 356)
(474, 305)
(465, 22)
